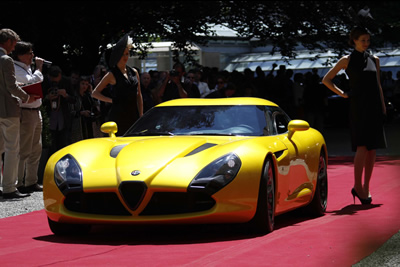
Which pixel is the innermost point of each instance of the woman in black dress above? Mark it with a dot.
(126, 97)
(367, 108)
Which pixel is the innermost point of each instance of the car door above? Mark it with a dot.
(292, 169)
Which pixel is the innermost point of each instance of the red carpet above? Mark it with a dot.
(344, 236)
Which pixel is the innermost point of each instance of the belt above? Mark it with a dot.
(31, 108)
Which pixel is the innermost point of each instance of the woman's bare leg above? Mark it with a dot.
(359, 163)
(369, 167)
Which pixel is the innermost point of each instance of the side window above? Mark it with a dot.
(281, 123)
(277, 120)
(269, 128)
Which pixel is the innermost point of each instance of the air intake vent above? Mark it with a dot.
(106, 203)
(169, 203)
(115, 150)
(201, 148)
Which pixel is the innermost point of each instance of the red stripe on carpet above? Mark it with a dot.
(344, 236)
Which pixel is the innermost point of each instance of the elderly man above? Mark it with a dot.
(10, 114)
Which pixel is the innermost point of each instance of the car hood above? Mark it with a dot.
(158, 161)
(150, 156)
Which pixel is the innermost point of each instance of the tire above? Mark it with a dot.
(317, 207)
(264, 219)
(68, 229)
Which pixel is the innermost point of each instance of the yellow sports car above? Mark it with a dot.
(230, 160)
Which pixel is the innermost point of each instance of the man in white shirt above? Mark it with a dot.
(203, 86)
(31, 119)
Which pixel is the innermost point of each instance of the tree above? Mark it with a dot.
(313, 24)
(75, 34)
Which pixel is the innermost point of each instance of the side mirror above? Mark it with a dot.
(297, 125)
(109, 128)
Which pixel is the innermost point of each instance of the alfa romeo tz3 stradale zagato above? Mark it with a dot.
(190, 161)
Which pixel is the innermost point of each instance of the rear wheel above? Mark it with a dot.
(264, 219)
(318, 205)
(68, 229)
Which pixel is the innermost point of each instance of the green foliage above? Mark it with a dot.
(75, 33)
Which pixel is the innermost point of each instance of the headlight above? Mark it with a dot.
(68, 174)
(216, 175)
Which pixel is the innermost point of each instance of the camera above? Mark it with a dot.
(173, 73)
(53, 90)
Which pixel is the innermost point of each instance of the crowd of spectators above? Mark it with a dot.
(301, 95)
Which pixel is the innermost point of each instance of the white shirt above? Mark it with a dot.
(203, 88)
(23, 74)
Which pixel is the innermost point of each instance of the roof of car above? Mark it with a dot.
(218, 101)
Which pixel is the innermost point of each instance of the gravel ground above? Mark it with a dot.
(388, 255)
(14, 207)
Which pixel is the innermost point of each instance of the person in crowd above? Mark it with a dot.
(154, 78)
(190, 86)
(172, 86)
(84, 113)
(249, 91)
(97, 75)
(230, 90)
(10, 115)
(388, 84)
(219, 88)
(367, 108)
(212, 76)
(31, 119)
(314, 100)
(58, 96)
(279, 86)
(227, 91)
(198, 81)
(396, 93)
(148, 91)
(75, 78)
(269, 80)
(298, 95)
(126, 95)
(247, 80)
(260, 83)
(288, 104)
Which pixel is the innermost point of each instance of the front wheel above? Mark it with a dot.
(318, 205)
(264, 219)
(68, 229)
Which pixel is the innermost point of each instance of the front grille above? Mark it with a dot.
(106, 203)
(133, 193)
(165, 203)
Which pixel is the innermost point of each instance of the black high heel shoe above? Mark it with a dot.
(364, 201)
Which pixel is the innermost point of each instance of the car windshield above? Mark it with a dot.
(201, 120)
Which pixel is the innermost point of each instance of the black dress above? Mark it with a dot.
(366, 114)
(124, 110)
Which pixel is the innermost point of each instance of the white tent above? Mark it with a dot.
(306, 61)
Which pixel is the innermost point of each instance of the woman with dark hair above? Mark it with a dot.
(126, 96)
(367, 108)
